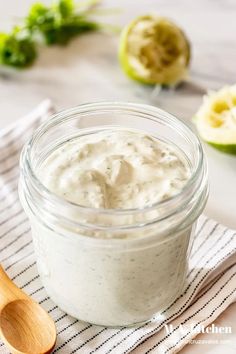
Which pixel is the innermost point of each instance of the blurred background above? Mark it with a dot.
(88, 70)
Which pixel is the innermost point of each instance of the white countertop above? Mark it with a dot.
(87, 70)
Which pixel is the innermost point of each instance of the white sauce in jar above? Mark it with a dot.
(113, 282)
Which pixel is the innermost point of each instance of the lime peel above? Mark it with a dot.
(154, 50)
(216, 119)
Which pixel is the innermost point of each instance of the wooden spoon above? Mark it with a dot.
(25, 327)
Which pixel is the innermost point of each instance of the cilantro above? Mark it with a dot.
(66, 31)
(55, 24)
(66, 8)
(58, 24)
(17, 49)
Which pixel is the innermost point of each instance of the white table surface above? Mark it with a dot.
(87, 70)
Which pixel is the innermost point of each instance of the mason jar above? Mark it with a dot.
(112, 267)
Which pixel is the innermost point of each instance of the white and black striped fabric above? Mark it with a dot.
(212, 276)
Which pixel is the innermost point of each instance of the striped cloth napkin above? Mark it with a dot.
(211, 279)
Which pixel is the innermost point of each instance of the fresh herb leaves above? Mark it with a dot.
(17, 49)
(56, 24)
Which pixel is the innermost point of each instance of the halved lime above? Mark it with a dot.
(216, 119)
(154, 50)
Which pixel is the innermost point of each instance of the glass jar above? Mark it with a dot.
(140, 267)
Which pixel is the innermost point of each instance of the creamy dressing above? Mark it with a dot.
(106, 281)
(116, 169)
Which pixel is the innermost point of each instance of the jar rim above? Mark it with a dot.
(150, 113)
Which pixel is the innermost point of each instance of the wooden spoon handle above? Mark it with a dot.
(8, 290)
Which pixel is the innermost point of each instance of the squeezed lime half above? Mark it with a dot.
(154, 50)
(216, 119)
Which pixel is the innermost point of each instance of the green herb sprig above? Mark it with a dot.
(55, 24)
(17, 48)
